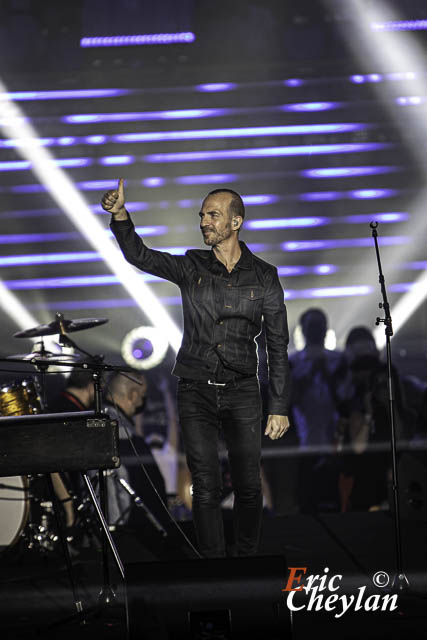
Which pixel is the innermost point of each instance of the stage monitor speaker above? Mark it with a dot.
(227, 598)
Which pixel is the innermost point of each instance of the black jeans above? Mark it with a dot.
(236, 408)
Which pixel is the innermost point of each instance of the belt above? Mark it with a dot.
(219, 384)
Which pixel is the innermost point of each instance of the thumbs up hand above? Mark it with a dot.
(114, 202)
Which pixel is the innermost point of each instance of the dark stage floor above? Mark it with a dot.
(36, 598)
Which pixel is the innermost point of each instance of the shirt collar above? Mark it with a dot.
(245, 261)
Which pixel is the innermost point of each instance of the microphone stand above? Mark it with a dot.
(400, 581)
(107, 595)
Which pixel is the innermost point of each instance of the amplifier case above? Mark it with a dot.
(51, 442)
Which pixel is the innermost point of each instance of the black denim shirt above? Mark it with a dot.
(223, 312)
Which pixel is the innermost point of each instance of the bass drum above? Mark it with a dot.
(14, 509)
(20, 398)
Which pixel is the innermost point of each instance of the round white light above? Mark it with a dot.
(158, 342)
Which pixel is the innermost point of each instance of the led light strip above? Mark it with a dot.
(182, 37)
(69, 199)
(218, 87)
(197, 134)
(269, 152)
(400, 25)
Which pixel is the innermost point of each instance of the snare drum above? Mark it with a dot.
(14, 509)
(20, 398)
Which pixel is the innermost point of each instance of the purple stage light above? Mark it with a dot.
(259, 247)
(201, 134)
(292, 271)
(325, 269)
(182, 37)
(266, 152)
(418, 265)
(26, 188)
(212, 178)
(97, 185)
(39, 142)
(367, 194)
(24, 238)
(153, 182)
(348, 172)
(174, 114)
(400, 25)
(15, 165)
(155, 230)
(321, 269)
(49, 258)
(110, 303)
(132, 207)
(95, 139)
(75, 94)
(401, 75)
(378, 217)
(68, 282)
(175, 251)
(71, 163)
(311, 106)
(409, 100)
(401, 287)
(66, 141)
(257, 200)
(371, 77)
(237, 132)
(187, 203)
(116, 160)
(293, 82)
(320, 196)
(318, 245)
(216, 87)
(61, 283)
(329, 292)
(286, 223)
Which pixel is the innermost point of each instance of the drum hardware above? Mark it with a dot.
(41, 353)
(60, 325)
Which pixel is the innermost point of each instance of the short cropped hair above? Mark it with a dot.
(236, 207)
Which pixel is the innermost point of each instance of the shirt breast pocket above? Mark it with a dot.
(251, 302)
(201, 288)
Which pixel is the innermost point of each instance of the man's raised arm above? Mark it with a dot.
(158, 263)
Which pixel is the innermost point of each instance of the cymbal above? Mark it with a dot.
(56, 326)
(46, 356)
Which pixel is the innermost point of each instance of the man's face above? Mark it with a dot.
(215, 219)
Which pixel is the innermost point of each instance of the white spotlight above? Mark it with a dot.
(144, 347)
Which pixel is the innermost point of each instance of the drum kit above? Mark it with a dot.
(26, 511)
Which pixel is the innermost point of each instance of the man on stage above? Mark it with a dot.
(226, 294)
